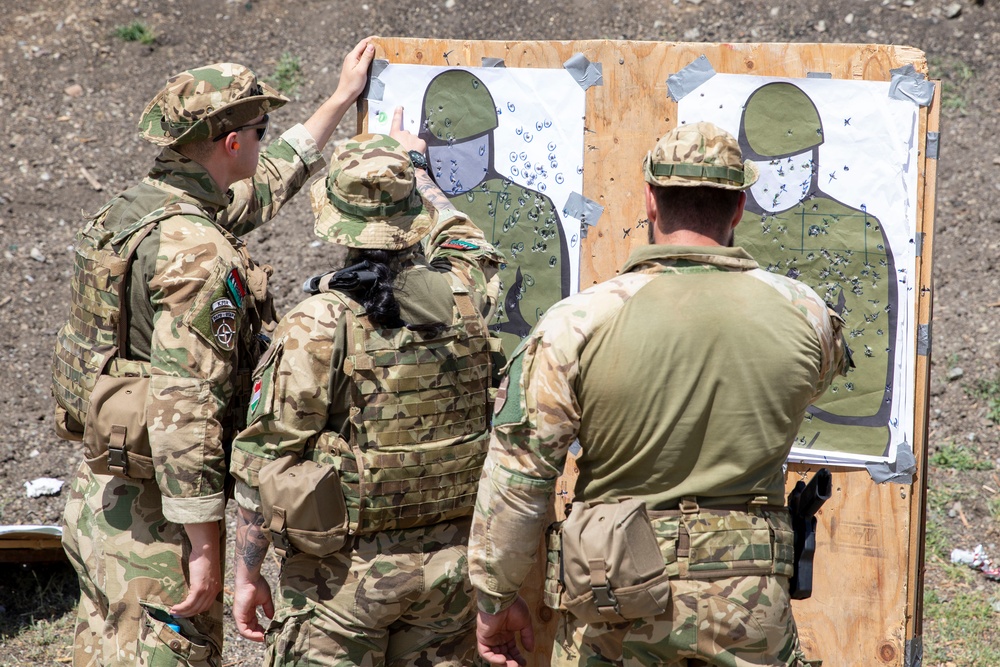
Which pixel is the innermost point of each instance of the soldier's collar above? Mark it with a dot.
(175, 170)
(660, 255)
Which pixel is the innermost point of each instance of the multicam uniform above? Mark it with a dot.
(684, 378)
(195, 304)
(336, 389)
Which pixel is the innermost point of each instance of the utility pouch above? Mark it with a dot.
(115, 438)
(612, 567)
(303, 506)
(553, 592)
(66, 427)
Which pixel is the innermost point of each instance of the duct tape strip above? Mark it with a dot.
(918, 242)
(933, 144)
(819, 75)
(908, 84)
(587, 211)
(375, 88)
(914, 652)
(923, 339)
(900, 471)
(689, 78)
(586, 73)
(493, 62)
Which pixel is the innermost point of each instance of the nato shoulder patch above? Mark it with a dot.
(223, 318)
(459, 244)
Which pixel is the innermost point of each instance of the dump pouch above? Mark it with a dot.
(612, 567)
(115, 438)
(303, 506)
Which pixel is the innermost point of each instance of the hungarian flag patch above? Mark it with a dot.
(258, 385)
(237, 289)
(459, 244)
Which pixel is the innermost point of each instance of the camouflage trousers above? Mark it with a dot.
(397, 598)
(131, 566)
(730, 622)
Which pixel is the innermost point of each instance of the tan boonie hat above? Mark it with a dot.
(205, 102)
(699, 154)
(369, 199)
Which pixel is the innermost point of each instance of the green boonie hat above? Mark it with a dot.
(369, 199)
(458, 106)
(203, 103)
(699, 154)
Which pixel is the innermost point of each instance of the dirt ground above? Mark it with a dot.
(71, 92)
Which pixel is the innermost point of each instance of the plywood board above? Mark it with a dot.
(866, 603)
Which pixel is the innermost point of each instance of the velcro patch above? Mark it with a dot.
(459, 244)
(223, 318)
(236, 287)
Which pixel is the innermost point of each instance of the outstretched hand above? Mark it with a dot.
(496, 635)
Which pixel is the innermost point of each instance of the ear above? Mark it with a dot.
(739, 210)
(231, 144)
(651, 211)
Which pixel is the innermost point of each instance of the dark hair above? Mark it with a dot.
(702, 209)
(379, 299)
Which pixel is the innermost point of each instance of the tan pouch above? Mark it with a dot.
(303, 506)
(66, 427)
(613, 569)
(115, 438)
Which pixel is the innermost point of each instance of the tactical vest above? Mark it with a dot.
(97, 329)
(419, 419)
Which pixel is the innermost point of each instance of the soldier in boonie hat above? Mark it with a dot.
(205, 102)
(699, 154)
(369, 199)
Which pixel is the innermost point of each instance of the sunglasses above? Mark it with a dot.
(261, 128)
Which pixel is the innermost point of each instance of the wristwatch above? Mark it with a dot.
(418, 159)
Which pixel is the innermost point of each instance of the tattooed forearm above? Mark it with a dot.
(251, 544)
(431, 193)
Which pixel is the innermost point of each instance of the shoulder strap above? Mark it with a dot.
(134, 235)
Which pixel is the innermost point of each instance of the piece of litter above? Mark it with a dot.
(43, 486)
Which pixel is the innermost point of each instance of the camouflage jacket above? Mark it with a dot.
(180, 272)
(686, 375)
(301, 389)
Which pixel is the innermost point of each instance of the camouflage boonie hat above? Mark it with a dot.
(369, 199)
(205, 102)
(699, 154)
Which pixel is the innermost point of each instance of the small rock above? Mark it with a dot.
(43, 486)
(938, 388)
(449, 4)
(692, 34)
(33, 453)
(695, 2)
(953, 10)
(955, 373)
(775, 11)
(971, 437)
(76, 90)
(996, 161)
(955, 509)
(849, 19)
(820, 26)
(37, 255)
(873, 34)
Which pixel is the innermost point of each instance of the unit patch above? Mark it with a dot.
(223, 318)
(236, 287)
(459, 244)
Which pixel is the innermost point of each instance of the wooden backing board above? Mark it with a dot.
(866, 603)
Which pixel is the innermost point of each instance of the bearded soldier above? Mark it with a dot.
(152, 369)
(684, 379)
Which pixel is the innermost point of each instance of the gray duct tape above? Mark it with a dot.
(914, 652)
(585, 210)
(933, 144)
(493, 62)
(923, 339)
(689, 78)
(900, 471)
(586, 73)
(375, 88)
(819, 75)
(908, 84)
(918, 241)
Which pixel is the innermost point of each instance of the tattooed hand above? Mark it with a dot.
(252, 590)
